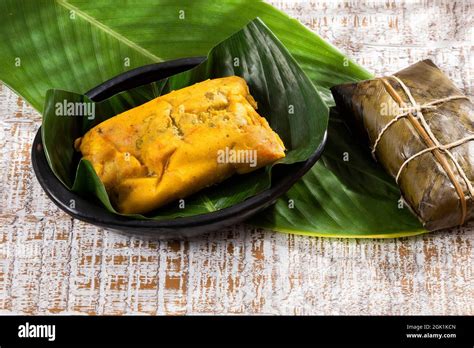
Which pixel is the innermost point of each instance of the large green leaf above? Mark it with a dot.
(346, 194)
(76, 45)
(285, 96)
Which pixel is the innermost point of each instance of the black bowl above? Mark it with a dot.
(283, 176)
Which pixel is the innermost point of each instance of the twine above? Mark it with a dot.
(415, 110)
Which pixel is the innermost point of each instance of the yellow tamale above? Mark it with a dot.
(180, 143)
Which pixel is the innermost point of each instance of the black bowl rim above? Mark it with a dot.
(142, 76)
(56, 190)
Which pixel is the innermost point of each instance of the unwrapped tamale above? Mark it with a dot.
(180, 143)
(420, 128)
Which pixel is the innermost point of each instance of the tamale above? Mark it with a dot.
(180, 143)
(420, 128)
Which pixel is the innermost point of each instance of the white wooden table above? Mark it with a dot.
(52, 264)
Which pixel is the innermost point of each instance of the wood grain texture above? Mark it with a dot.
(52, 264)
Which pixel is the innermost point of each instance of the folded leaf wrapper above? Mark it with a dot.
(286, 98)
(420, 128)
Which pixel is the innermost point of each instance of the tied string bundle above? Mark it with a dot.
(414, 113)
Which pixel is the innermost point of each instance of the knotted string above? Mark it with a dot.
(415, 110)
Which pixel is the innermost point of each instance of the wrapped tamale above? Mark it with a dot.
(180, 143)
(420, 128)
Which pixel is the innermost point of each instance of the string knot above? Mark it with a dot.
(414, 111)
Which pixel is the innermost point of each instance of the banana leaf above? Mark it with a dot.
(75, 45)
(284, 94)
(435, 185)
(344, 195)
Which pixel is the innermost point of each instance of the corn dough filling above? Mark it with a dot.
(180, 143)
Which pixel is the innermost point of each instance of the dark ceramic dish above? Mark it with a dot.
(283, 176)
